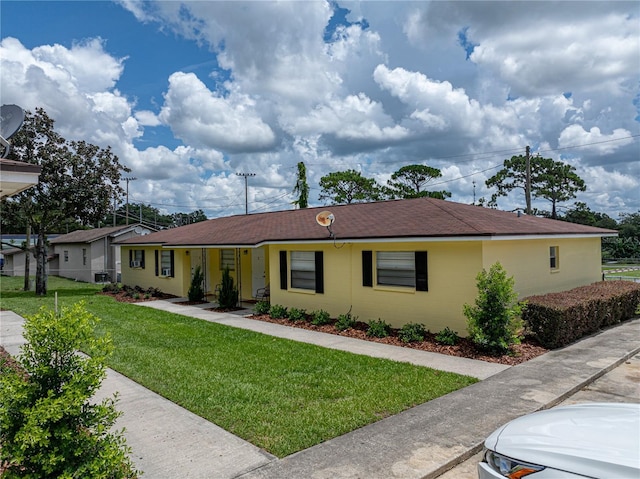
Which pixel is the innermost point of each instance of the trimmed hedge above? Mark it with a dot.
(558, 319)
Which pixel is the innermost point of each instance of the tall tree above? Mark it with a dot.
(410, 181)
(349, 186)
(78, 181)
(302, 187)
(556, 182)
(552, 180)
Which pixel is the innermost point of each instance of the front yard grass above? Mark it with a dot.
(280, 395)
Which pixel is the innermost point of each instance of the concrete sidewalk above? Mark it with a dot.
(169, 442)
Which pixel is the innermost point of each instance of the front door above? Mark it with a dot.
(198, 258)
(258, 273)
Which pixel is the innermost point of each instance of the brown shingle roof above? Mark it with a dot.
(87, 236)
(421, 217)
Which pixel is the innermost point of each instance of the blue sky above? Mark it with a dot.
(190, 93)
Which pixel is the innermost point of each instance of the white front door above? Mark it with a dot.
(198, 258)
(258, 273)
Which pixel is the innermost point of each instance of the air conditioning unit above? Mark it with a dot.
(166, 271)
(136, 264)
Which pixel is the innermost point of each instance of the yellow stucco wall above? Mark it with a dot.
(452, 267)
(146, 278)
(528, 262)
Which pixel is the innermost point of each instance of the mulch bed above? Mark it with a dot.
(124, 297)
(528, 349)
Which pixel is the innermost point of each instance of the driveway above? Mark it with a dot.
(621, 384)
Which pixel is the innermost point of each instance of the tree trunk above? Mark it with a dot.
(41, 264)
(27, 259)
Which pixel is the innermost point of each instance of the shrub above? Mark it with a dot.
(320, 317)
(345, 321)
(228, 297)
(49, 427)
(558, 319)
(262, 307)
(278, 311)
(412, 332)
(447, 336)
(494, 323)
(296, 314)
(196, 290)
(378, 329)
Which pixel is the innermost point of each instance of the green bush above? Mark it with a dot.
(320, 317)
(494, 322)
(345, 321)
(228, 297)
(278, 311)
(49, 427)
(262, 307)
(296, 315)
(378, 329)
(196, 290)
(412, 332)
(447, 336)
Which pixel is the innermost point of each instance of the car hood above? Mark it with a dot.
(595, 440)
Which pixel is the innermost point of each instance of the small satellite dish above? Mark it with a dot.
(11, 118)
(325, 218)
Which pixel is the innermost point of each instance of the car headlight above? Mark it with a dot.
(508, 467)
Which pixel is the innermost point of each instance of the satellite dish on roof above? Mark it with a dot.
(11, 118)
(326, 218)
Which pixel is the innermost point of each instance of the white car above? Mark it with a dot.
(599, 440)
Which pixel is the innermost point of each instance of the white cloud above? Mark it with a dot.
(200, 116)
(595, 141)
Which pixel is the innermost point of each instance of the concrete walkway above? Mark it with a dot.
(422, 442)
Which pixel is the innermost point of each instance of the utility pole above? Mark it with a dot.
(474, 192)
(527, 187)
(246, 189)
(128, 179)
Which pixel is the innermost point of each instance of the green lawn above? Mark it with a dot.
(280, 395)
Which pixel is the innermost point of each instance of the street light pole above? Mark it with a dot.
(246, 189)
(128, 179)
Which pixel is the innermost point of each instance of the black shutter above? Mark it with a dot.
(142, 260)
(156, 254)
(173, 273)
(130, 257)
(283, 270)
(422, 283)
(367, 268)
(319, 272)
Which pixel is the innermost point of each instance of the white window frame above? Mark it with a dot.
(396, 268)
(554, 258)
(66, 256)
(165, 263)
(84, 256)
(303, 269)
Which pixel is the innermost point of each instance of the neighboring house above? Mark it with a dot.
(401, 261)
(13, 262)
(91, 255)
(17, 176)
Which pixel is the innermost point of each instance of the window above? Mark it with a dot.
(164, 263)
(307, 270)
(396, 268)
(554, 260)
(227, 259)
(84, 256)
(303, 270)
(136, 258)
(66, 256)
